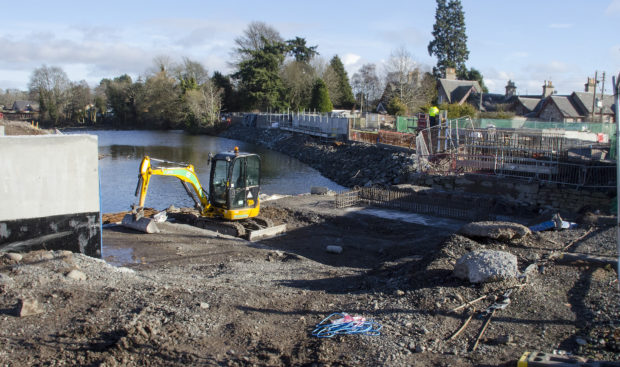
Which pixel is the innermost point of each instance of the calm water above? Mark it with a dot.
(123, 150)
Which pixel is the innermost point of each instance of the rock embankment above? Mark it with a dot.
(346, 163)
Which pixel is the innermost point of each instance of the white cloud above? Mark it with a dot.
(613, 8)
(547, 70)
(349, 59)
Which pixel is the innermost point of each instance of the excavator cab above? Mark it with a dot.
(235, 184)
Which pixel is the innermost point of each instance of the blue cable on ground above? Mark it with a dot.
(328, 328)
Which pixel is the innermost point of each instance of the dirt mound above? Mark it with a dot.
(14, 127)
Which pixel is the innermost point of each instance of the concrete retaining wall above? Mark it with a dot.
(523, 193)
(323, 124)
(49, 193)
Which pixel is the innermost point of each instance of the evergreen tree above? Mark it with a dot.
(449, 44)
(320, 97)
(302, 53)
(228, 99)
(396, 107)
(260, 79)
(346, 99)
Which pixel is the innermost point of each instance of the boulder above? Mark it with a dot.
(319, 190)
(334, 249)
(28, 307)
(76, 275)
(496, 230)
(13, 256)
(486, 266)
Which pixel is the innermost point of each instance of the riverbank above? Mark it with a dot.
(347, 163)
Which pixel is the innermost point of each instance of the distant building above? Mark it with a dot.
(451, 90)
(578, 107)
(25, 106)
(548, 106)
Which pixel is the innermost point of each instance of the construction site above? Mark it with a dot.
(388, 251)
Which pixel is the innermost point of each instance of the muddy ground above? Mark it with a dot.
(188, 296)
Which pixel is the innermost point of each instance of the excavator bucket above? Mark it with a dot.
(138, 222)
(146, 225)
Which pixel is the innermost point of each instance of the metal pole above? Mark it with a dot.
(602, 96)
(616, 85)
(594, 96)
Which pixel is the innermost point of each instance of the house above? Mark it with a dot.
(25, 106)
(451, 90)
(549, 106)
(578, 106)
(527, 106)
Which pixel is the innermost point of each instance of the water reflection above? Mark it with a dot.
(123, 150)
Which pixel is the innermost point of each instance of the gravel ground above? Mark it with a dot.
(187, 296)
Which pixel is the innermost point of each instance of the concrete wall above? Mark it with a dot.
(322, 123)
(1, 130)
(49, 193)
(522, 193)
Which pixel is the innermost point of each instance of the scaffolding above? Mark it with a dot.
(457, 146)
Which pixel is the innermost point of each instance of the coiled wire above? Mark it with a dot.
(327, 328)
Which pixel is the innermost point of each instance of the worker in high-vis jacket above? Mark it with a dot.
(433, 112)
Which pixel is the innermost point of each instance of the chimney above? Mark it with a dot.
(451, 73)
(590, 85)
(511, 89)
(547, 89)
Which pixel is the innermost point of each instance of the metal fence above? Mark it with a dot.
(416, 202)
(523, 154)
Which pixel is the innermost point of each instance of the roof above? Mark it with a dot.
(457, 89)
(530, 103)
(565, 105)
(25, 106)
(585, 100)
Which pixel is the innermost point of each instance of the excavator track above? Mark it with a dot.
(251, 229)
(235, 229)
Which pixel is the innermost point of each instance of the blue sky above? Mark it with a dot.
(528, 41)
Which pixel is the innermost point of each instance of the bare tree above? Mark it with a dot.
(253, 39)
(406, 80)
(190, 69)
(49, 86)
(160, 100)
(298, 78)
(400, 71)
(9, 96)
(79, 102)
(161, 63)
(204, 104)
(366, 85)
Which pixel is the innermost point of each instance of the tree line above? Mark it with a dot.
(269, 74)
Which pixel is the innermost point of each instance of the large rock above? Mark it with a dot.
(486, 266)
(495, 230)
(28, 307)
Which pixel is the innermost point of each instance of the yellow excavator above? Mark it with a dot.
(232, 204)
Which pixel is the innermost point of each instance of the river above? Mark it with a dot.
(121, 152)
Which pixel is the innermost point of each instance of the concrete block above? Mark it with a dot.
(45, 175)
(50, 193)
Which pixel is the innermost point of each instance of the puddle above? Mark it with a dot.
(425, 220)
(118, 256)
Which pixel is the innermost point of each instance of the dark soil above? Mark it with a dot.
(188, 296)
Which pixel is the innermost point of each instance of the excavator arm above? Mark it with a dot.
(186, 174)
